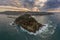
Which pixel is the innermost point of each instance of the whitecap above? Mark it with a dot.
(43, 32)
(37, 32)
(11, 23)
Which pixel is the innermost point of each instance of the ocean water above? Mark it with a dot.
(50, 32)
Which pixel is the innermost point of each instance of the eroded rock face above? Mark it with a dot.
(28, 23)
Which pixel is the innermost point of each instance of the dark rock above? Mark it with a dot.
(28, 23)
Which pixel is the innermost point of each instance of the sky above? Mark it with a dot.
(52, 4)
(41, 4)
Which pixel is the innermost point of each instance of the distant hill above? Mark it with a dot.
(29, 12)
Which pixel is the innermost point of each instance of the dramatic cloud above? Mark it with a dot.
(42, 4)
(27, 3)
(51, 4)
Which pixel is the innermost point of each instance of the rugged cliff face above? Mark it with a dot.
(28, 23)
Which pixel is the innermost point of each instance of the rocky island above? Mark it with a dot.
(27, 22)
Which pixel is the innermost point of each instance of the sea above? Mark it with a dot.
(49, 32)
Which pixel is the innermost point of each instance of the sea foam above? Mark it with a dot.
(44, 31)
(37, 32)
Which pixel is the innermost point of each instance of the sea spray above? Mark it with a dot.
(43, 32)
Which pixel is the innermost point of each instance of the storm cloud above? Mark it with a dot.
(52, 4)
(48, 4)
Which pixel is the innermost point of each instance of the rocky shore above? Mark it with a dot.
(28, 22)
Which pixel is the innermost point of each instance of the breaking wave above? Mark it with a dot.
(37, 32)
(43, 32)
